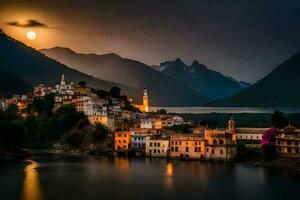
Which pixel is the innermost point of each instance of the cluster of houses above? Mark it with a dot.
(211, 144)
(148, 133)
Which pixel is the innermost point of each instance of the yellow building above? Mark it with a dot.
(145, 106)
(221, 144)
(187, 146)
(287, 142)
(122, 140)
(81, 91)
(102, 119)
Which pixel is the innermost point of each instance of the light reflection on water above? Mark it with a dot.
(93, 178)
(169, 176)
(31, 189)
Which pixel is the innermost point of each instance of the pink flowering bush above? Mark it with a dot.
(267, 145)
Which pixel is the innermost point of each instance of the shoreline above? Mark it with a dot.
(284, 166)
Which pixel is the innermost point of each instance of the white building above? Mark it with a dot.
(254, 134)
(157, 147)
(146, 123)
(138, 141)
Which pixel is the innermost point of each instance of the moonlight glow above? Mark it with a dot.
(31, 35)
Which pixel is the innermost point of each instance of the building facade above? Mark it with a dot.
(157, 146)
(122, 141)
(287, 142)
(187, 146)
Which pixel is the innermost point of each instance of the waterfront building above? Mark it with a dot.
(221, 144)
(287, 142)
(157, 146)
(251, 137)
(138, 141)
(187, 146)
(145, 106)
(122, 140)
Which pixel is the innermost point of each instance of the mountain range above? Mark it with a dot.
(278, 89)
(33, 67)
(26, 66)
(198, 77)
(172, 76)
(172, 83)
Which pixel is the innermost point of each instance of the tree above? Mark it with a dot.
(13, 108)
(38, 105)
(82, 83)
(49, 102)
(115, 92)
(102, 93)
(278, 120)
(162, 111)
(100, 132)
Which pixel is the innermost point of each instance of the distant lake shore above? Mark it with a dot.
(207, 110)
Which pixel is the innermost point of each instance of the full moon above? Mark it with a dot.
(31, 35)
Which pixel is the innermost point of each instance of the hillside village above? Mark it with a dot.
(133, 130)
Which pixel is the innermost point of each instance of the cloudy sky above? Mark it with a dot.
(245, 39)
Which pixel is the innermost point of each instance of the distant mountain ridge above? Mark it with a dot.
(201, 79)
(278, 89)
(30, 67)
(163, 90)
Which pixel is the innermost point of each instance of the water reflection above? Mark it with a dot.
(31, 189)
(169, 176)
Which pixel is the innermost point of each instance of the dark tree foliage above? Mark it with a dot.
(45, 129)
(82, 83)
(115, 92)
(277, 120)
(13, 108)
(162, 111)
(75, 139)
(100, 132)
(12, 137)
(102, 93)
(181, 128)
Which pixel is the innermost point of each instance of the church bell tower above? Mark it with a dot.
(62, 81)
(145, 100)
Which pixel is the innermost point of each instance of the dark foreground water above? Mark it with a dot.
(71, 178)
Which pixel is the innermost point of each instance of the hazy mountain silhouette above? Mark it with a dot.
(279, 89)
(32, 67)
(201, 79)
(164, 90)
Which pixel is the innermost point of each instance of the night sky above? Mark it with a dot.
(245, 39)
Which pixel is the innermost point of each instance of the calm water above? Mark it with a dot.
(205, 110)
(72, 178)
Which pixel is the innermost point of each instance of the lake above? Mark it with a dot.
(205, 110)
(63, 177)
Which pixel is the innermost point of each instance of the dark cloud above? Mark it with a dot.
(28, 24)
